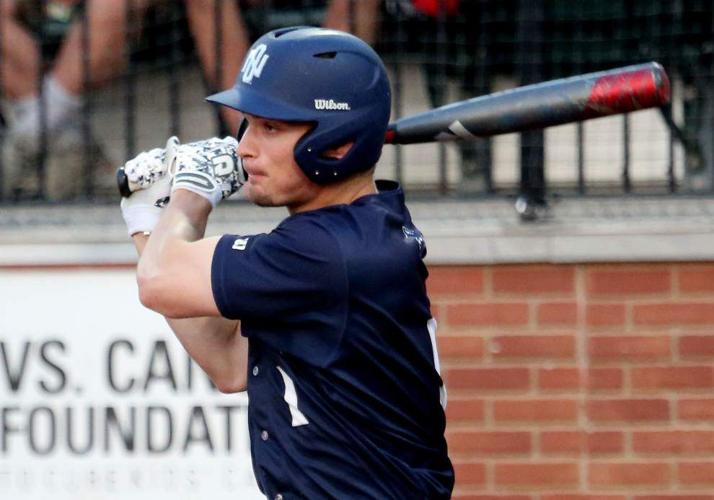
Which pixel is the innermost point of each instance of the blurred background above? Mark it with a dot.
(571, 269)
(87, 85)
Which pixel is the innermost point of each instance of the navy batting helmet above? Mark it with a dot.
(329, 78)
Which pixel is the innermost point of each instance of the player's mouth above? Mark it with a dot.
(254, 172)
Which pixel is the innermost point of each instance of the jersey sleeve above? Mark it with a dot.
(291, 274)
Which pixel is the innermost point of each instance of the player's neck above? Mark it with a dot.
(340, 193)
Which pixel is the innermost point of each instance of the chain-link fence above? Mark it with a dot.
(87, 85)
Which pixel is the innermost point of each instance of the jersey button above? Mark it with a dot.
(256, 371)
(264, 435)
(278, 497)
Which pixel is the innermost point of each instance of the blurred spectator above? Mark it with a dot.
(26, 43)
(233, 44)
(360, 17)
(38, 98)
(53, 102)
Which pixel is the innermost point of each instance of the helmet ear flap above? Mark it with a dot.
(332, 132)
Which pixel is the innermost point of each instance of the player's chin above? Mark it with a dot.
(258, 196)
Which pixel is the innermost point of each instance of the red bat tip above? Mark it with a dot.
(629, 91)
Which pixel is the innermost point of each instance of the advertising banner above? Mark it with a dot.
(98, 400)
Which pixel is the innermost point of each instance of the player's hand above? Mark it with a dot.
(143, 170)
(145, 187)
(210, 168)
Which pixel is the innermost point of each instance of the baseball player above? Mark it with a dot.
(324, 320)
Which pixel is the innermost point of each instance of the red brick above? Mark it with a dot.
(536, 475)
(628, 410)
(489, 443)
(450, 280)
(578, 496)
(575, 442)
(673, 497)
(671, 377)
(605, 314)
(562, 410)
(673, 442)
(668, 314)
(464, 409)
(604, 379)
(470, 473)
(533, 347)
(562, 442)
(605, 442)
(558, 313)
(612, 348)
(696, 346)
(609, 475)
(572, 379)
(496, 314)
(533, 279)
(475, 496)
(559, 379)
(695, 409)
(696, 473)
(487, 378)
(460, 346)
(628, 280)
(696, 278)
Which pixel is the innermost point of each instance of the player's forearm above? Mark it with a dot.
(217, 346)
(167, 264)
(183, 220)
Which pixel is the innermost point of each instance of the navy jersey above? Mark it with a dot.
(345, 398)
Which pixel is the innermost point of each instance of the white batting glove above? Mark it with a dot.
(141, 211)
(149, 189)
(147, 167)
(210, 168)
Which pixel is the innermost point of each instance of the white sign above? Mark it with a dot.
(99, 401)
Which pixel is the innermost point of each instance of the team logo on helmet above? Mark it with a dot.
(331, 105)
(254, 63)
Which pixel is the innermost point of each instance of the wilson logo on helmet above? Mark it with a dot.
(330, 104)
(254, 63)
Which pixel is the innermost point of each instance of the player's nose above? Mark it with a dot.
(246, 145)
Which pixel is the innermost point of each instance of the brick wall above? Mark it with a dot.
(578, 381)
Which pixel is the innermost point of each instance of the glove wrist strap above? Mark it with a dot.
(141, 218)
(200, 183)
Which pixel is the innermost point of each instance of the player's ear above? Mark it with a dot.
(339, 152)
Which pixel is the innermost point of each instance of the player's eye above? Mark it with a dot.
(270, 127)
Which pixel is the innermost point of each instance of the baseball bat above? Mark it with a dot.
(541, 105)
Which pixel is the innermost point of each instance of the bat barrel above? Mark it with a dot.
(541, 105)
(641, 87)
